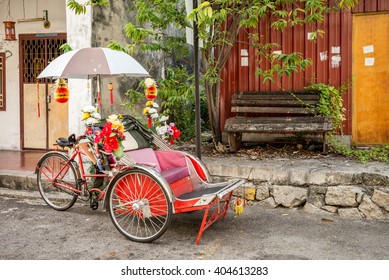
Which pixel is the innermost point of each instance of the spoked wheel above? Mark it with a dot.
(54, 177)
(139, 206)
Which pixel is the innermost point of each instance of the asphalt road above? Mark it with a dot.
(30, 230)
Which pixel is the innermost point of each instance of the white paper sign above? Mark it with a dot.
(244, 52)
(335, 49)
(244, 61)
(368, 49)
(323, 56)
(369, 61)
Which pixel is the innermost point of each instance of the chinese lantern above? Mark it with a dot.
(151, 89)
(61, 94)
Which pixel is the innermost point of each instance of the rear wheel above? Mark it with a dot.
(139, 206)
(54, 175)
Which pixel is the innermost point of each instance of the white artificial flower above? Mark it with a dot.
(96, 115)
(112, 118)
(89, 109)
(149, 82)
(91, 121)
(155, 105)
(161, 130)
(154, 116)
(152, 111)
(163, 118)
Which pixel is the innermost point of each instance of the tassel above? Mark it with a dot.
(110, 87)
(38, 99)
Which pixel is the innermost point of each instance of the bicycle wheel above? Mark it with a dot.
(139, 206)
(55, 174)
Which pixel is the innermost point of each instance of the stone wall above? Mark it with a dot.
(353, 202)
(323, 186)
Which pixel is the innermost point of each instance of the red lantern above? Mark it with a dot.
(61, 94)
(151, 92)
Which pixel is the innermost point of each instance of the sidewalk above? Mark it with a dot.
(326, 185)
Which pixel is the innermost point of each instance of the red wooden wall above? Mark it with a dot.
(331, 56)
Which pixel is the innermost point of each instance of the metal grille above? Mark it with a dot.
(34, 60)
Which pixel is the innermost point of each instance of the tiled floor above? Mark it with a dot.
(19, 160)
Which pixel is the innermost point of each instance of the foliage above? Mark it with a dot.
(65, 47)
(219, 22)
(178, 96)
(331, 103)
(81, 8)
(377, 153)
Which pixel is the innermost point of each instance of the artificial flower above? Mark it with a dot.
(90, 116)
(111, 136)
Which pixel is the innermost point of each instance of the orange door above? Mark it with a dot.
(370, 79)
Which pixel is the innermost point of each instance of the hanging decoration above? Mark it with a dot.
(9, 25)
(38, 99)
(151, 93)
(151, 89)
(61, 94)
(110, 88)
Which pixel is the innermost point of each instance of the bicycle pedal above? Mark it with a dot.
(80, 182)
(94, 205)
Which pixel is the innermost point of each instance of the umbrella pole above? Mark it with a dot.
(98, 94)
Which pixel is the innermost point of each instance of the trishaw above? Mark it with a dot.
(141, 191)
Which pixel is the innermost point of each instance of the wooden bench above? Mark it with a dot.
(275, 112)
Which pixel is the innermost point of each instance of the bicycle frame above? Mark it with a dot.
(82, 175)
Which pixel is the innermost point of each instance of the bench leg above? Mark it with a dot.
(235, 141)
(325, 143)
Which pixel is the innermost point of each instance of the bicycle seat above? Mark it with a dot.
(63, 142)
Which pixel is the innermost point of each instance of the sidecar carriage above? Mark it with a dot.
(156, 182)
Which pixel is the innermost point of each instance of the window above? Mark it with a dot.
(2, 81)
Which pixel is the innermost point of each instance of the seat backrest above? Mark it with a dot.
(145, 156)
(170, 159)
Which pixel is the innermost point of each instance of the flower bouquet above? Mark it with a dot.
(168, 132)
(112, 136)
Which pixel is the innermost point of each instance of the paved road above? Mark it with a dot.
(31, 230)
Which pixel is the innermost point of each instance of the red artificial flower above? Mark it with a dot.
(176, 133)
(111, 144)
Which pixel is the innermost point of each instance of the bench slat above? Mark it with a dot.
(271, 110)
(279, 125)
(266, 102)
(274, 96)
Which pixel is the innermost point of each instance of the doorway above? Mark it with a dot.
(42, 119)
(370, 65)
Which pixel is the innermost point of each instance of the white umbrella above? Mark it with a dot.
(93, 62)
(89, 62)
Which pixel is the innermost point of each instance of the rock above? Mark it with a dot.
(371, 179)
(262, 193)
(350, 213)
(371, 210)
(312, 209)
(289, 196)
(332, 209)
(381, 198)
(268, 203)
(343, 196)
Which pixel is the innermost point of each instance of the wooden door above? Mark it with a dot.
(43, 124)
(370, 79)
